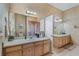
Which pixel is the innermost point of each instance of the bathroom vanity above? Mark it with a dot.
(62, 33)
(61, 40)
(32, 35)
(26, 47)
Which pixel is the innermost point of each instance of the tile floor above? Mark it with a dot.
(72, 50)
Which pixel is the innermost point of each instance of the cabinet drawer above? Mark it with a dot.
(28, 45)
(46, 41)
(39, 43)
(9, 49)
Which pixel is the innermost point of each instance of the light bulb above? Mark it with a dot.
(28, 11)
(34, 13)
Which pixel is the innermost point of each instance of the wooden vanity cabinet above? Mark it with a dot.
(28, 49)
(59, 42)
(39, 48)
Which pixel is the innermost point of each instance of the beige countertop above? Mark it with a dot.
(61, 35)
(22, 41)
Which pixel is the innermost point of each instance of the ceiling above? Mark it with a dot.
(64, 6)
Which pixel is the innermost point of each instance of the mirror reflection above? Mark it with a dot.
(23, 27)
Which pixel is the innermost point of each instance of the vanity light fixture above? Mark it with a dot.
(31, 12)
(58, 20)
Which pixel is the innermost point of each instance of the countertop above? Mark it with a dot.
(22, 41)
(61, 35)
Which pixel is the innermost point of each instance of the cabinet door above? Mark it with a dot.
(56, 42)
(39, 48)
(14, 53)
(46, 47)
(62, 41)
(28, 50)
(68, 39)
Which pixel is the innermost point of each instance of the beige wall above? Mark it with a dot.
(71, 17)
(42, 9)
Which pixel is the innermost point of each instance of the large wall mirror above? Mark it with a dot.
(22, 26)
